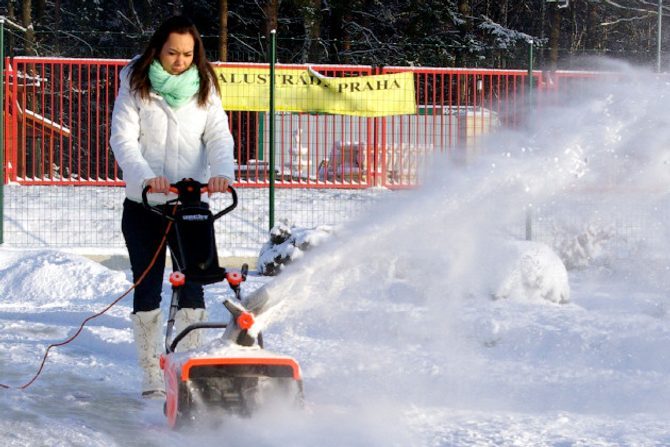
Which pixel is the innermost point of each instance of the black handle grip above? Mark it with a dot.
(178, 187)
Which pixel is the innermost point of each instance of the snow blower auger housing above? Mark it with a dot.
(231, 375)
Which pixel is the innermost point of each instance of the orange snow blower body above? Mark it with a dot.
(233, 374)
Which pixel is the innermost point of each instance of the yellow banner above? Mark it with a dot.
(308, 91)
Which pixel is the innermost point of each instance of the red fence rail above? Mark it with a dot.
(58, 115)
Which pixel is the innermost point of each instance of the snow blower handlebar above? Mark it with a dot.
(188, 193)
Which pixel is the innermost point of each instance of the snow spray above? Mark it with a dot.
(382, 307)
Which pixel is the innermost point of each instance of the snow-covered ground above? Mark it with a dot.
(421, 323)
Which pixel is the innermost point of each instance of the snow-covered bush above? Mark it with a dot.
(287, 244)
(581, 249)
(527, 270)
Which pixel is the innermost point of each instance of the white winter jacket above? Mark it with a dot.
(151, 139)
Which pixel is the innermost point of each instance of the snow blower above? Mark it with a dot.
(233, 374)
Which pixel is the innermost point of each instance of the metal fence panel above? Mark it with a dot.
(58, 115)
(89, 217)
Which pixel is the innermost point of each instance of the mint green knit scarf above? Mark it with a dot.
(175, 89)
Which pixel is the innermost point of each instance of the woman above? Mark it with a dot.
(168, 123)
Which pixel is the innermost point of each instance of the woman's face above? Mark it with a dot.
(177, 53)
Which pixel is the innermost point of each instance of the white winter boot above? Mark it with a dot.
(185, 317)
(146, 328)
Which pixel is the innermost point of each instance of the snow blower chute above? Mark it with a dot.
(233, 374)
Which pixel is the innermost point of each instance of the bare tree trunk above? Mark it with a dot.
(311, 11)
(554, 37)
(504, 12)
(465, 11)
(504, 17)
(11, 14)
(223, 30)
(27, 19)
(57, 17)
(577, 32)
(271, 10)
(465, 27)
(592, 28)
(343, 51)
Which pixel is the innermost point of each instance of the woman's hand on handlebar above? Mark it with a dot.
(217, 184)
(158, 185)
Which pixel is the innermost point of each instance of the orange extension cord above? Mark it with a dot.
(81, 327)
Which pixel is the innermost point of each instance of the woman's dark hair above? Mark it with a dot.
(139, 73)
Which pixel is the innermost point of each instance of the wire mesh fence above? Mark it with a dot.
(58, 114)
(583, 228)
(89, 218)
(65, 185)
(601, 226)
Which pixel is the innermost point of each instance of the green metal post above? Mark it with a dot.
(2, 130)
(659, 32)
(529, 210)
(530, 72)
(271, 126)
(529, 223)
(260, 154)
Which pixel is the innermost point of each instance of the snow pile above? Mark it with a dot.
(50, 278)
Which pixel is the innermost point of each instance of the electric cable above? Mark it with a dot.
(83, 323)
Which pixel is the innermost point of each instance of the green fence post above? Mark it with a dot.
(529, 211)
(530, 72)
(2, 129)
(260, 155)
(271, 126)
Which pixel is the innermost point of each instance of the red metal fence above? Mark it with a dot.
(58, 114)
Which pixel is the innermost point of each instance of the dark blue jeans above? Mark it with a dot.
(143, 231)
